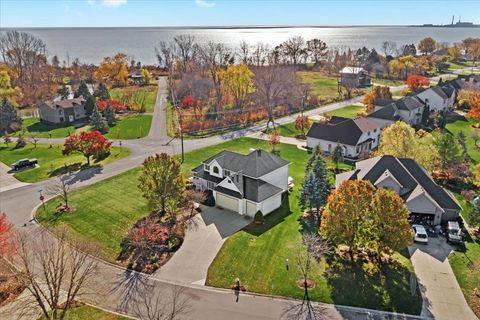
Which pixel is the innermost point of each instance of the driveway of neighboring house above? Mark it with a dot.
(7, 180)
(442, 296)
(205, 235)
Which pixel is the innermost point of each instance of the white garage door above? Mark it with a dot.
(226, 202)
(251, 209)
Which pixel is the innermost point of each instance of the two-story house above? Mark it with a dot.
(438, 98)
(62, 111)
(244, 183)
(411, 182)
(356, 136)
(407, 109)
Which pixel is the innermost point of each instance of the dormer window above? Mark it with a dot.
(215, 170)
(207, 167)
(226, 173)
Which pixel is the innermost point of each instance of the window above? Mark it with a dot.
(215, 170)
(368, 133)
(210, 185)
(236, 177)
(207, 167)
(226, 173)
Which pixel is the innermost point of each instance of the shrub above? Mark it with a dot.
(259, 218)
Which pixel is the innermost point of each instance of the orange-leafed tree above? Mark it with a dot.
(89, 144)
(113, 71)
(7, 245)
(346, 209)
(274, 139)
(378, 92)
(473, 102)
(416, 82)
(302, 123)
(427, 45)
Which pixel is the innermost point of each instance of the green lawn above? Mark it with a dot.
(459, 65)
(51, 161)
(324, 86)
(150, 91)
(387, 82)
(466, 127)
(38, 129)
(84, 312)
(130, 127)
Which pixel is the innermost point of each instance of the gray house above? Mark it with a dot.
(62, 111)
(242, 183)
(407, 178)
(354, 77)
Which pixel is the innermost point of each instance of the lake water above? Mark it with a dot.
(90, 45)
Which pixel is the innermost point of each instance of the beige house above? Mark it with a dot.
(62, 111)
(412, 183)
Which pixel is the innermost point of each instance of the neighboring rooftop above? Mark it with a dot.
(352, 70)
(67, 103)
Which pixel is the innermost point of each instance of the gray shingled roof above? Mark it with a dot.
(67, 103)
(258, 190)
(346, 132)
(409, 174)
(408, 103)
(386, 113)
(255, 164)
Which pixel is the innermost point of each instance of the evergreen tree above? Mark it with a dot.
(8, 115)
(64, 92)
(83, 91)
(442, 120)
(426, 115)
(90, 104)
(448, 150)
(462, 141)
(310, 196)
(110, 116)
(102, 92)
(337, 156)
(316, 153)
(475, 213)
(97, 121)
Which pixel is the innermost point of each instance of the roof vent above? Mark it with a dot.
(259, 152)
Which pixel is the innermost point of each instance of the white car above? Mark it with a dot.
(420, 233)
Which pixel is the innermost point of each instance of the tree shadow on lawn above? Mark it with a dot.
(271, 220)
(370, 285)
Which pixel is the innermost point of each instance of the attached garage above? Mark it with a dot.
(227, 202)
(251, 208)
(271, 204)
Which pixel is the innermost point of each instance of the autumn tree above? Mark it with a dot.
(346, 208)
(146, 76)
(454, 52)
(427, 45)
(238, 79)
(162, 183)
(416, 82)
(7, 245)
(377, 92)
(401, 140)
(388, 219)
(113, 71)
(56, 272)
(6, 89)
(302, 123)
(293, 49)
(274, 139)
(88, 143)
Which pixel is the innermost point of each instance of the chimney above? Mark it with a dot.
(259, 152)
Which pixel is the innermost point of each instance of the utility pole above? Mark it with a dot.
(179, 116)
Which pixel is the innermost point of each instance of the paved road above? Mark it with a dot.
(207, 303)
(443, 298)
(158, 130)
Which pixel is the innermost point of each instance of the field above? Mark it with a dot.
(51, 161)
(324, 86)
(150, 91)
(34, 127)
(130, 127)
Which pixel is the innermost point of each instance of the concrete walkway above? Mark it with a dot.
(442, 296)
(205, 236)
(158, 130)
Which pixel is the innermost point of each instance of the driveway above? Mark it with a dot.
(7, 180)
(205, 235)
(158, 130)
(442, 296)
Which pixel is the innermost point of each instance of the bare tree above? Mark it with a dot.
(185, 48)
(294, 49)
(165, 54)
(306, 256)
(55, 273)
(34, 140)
(61, 188)
(244, 52)
(173, 305)
(389, 47)
(215, 57)
(317, 50)
(259, 55)
(274, 83)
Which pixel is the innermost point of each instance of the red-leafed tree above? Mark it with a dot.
(89, 144)
(189, 102)
(416, 82)
(473, 102)
(7, 245)
(148, 234)
(117, 105)
(302, 123)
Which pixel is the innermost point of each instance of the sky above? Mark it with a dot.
(151, 13)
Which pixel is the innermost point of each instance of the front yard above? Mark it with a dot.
(82, 312)
(468, 130)
(51, 161)
(149, 91)
(34, 127)
(130, 127)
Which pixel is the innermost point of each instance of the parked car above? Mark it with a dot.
(454, 232)
(420, 234)
(24, 163)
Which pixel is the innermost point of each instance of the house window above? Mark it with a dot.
(226, 173)
(236, 177)
(368, 133)
(215, 170)
(358, 149)
(207, 167)
(210, 185)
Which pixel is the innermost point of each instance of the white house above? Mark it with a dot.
(438, 98)
(356, 136)
(244, 183)
(62, 111)
(407, 109)
(412, 183)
